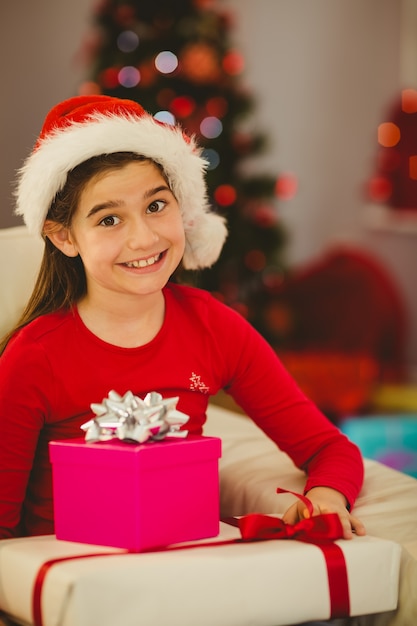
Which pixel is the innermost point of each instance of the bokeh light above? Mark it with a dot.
(109, 78)
(211, 127)
(409, 100)
(217, 106)
(286, 186)
(233, 63)
(166, 62)
(166, 117)
(388, 134)
(225, 195)
(379, 189)
(388, 160)
(182, 106)
(213, 158)
(127, 41)
(413, 166)
(88, 88)
(129, 76)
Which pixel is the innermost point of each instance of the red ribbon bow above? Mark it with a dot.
(318, 529)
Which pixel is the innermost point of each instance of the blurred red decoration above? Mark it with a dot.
(109, 78)
(395, 159)
(265, 215)
(286, 187)
(199, 63)
(233, 63)
(148, 74)
(88, 88)
(338, 383)
(217, 106)
(124, 15)
(409, 100)
(225, 195)
(380, 189)
(388, 134)
(413, 166)
(349, 329)
(182, 106)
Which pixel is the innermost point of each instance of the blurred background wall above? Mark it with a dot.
(324, 74)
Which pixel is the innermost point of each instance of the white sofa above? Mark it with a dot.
(251, 466)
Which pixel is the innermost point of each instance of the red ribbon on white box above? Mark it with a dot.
(318, 530)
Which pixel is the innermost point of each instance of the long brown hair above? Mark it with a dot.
(61, 280)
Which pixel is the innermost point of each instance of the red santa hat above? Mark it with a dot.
(86, 126)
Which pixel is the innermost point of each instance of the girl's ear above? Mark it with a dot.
(61, 237)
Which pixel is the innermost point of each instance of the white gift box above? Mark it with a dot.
(268, 583)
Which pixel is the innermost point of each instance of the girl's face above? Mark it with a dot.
(128, 231)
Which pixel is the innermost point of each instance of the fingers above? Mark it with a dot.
(357, 526)
(291, 515)
(350, 524)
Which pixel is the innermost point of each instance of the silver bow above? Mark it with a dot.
(130, 418)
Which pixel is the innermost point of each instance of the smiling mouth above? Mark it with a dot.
(144, 262)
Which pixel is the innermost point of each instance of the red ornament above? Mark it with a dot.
(147, 74)
(124, 15)
(265, 215)
(379, 189)
(109, 78)
(89, 88)
(233, 63)
(217, 106)
(182, 106)
(409, 101)
(286, 187)
(199, 63)
(225, 195)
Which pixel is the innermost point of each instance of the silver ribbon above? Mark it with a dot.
(129, 418)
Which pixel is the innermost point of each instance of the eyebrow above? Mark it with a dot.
(114, 204)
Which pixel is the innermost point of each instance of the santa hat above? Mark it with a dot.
(86, 126)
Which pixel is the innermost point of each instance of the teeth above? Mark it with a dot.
(144, 262)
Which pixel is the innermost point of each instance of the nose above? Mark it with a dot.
(141, 234)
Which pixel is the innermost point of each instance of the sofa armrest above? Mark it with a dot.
(20, 258)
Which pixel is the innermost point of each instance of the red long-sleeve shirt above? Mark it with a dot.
(55, 368)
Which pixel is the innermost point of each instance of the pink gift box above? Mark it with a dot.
(136, 496)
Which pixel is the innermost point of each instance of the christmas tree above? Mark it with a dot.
(177, 60)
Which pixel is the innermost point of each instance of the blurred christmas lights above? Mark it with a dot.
(127, 41)
(211, 127)
(166, 62)
(129, 76)
(388, 134)
(166, 117)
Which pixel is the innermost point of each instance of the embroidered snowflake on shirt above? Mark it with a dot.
(197, 384)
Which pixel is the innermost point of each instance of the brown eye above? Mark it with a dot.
(156, 206)
(109, 220)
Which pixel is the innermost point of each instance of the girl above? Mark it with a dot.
(120, 200)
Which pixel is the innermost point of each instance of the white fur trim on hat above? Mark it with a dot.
(45, 171)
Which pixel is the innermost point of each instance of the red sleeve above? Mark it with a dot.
(260, 384)
(23, 371)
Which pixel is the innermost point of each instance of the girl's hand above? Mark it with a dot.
(326, 500)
